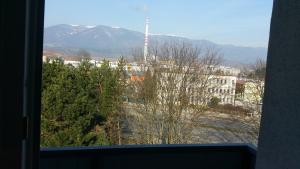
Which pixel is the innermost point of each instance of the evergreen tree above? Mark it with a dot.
(117, 114)
(71, 106)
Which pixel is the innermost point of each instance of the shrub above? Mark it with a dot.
(214, 102)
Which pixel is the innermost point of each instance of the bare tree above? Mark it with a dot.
(255, 82)
(178, 83)
(173, 93)
(259, 69)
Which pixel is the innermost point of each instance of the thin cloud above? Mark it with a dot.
(143, 8)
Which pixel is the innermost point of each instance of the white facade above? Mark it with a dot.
(71, 62)
(200, 93)
(223, 87)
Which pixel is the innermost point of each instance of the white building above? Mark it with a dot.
(225, 70)
(72, 62)
(223, 87)
(201, 92)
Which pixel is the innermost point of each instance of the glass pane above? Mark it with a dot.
(153, 72)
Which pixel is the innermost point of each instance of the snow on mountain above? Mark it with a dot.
(90, 26)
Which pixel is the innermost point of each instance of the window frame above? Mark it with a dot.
(33, 11)
(34, 30)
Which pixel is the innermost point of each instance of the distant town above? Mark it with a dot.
(228, 84)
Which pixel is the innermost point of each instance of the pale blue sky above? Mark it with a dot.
(238, 22)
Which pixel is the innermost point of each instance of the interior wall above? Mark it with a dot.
(279, 141)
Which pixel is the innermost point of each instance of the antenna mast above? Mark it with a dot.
(146, 40)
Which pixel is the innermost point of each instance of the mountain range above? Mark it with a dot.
(104, 41)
